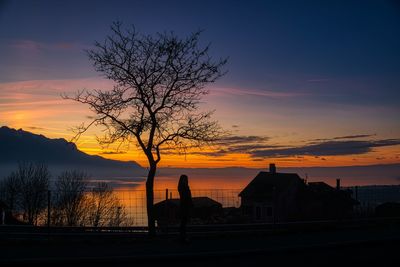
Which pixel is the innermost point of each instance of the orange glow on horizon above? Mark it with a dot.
(380, 156)
(36, 106)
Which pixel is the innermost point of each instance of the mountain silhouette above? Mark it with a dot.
(19, 145)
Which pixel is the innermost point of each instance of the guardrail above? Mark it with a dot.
(40, 232)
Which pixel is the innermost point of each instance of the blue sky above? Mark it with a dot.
(329, 48)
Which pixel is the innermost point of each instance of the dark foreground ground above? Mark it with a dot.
(366, 246)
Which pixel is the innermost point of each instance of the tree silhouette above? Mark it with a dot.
(70, 198)
(105, 209)
(26, 189)
(77, 205)
(159, 82)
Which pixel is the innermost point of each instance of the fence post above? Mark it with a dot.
(48, 207)
(166, 211)
(358, 208)
(356, 189)
(274, 208)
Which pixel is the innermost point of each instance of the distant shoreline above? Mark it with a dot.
(236, 177)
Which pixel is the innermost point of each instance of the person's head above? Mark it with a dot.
(183, 180)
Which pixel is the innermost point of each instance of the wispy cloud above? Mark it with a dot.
(52, 87)
(113, 152)
(328, 148)
(238, 144)
(39, 102)
(356, 136)
(258, 147)
(35, 128)
(240, 139)
(253, 92)
(35, 46)
(44, 93)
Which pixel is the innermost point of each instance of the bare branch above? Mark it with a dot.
(159, 83)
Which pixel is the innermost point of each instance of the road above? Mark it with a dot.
(373, 245)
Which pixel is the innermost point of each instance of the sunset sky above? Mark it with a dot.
(309, 83)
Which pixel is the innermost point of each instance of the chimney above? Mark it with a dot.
(337, 184)
(272, 168)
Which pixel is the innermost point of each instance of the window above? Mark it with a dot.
(258, 213)
(269, 211)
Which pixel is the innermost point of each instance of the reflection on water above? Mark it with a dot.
(133, 195)
(117, 183)
(224, 189)
(134, 200)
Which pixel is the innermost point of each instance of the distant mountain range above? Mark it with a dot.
(19, 145)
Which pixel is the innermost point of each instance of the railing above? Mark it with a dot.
(369, 197)
(127, 208)
(11, 232)
(135, 200)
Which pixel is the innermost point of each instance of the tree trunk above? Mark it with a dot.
(150, 199)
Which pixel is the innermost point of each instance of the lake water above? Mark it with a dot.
(133, 195)
(224, 189)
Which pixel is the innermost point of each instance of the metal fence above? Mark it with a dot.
(133, 203)
(371, 196)
(129, 210)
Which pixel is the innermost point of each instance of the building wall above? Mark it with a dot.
(281, 206)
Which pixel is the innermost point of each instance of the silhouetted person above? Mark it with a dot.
(185, 205)
(3, 212)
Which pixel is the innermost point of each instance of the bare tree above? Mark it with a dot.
(70, 197)
(76, 205)
(159, 83)
(32, 181)
(105, 208)
(9, 190)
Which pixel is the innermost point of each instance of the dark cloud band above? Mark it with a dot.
(328, 148)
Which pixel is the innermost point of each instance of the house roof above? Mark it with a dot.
(320, 186)
(198, 202)
(265, 182)
(326, 192)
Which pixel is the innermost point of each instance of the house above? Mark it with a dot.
(205, 210)
(271, 196)
(282, 197)
(325, 202)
